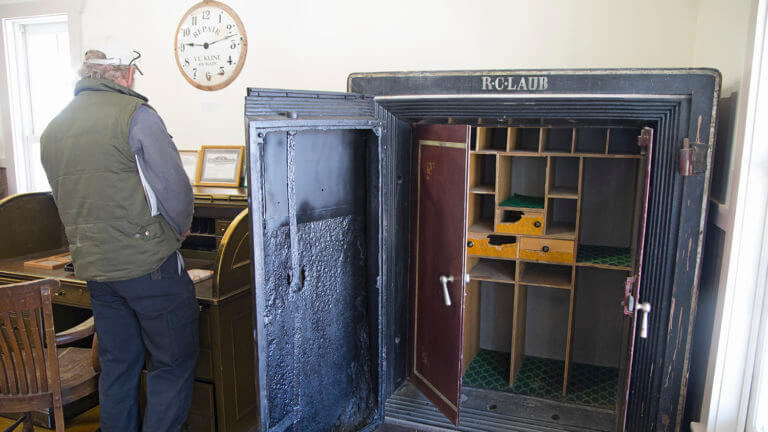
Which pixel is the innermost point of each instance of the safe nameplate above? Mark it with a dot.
(515, 83)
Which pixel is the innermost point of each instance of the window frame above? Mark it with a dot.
(17, 31)
(28, 9)
(742, 305)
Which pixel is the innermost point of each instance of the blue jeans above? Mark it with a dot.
(157, 314)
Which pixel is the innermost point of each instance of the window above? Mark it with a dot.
(759, 408)
(738, 396)
(41, 82)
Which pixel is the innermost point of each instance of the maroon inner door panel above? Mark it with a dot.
(441, 161)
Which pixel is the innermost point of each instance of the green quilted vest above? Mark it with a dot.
(96, 185)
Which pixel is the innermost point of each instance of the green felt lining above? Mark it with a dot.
(604, 255)
(540, 377)
(524, 201)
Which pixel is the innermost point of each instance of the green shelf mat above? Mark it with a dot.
(543, 378)
(524, 201)
(604, 255)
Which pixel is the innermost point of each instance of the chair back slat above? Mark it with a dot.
(16, 354)
(9, 375)
(28, 349)
(36, 333)
(24, 348)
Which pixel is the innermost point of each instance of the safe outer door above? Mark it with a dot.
(315, 206)
(438, 288)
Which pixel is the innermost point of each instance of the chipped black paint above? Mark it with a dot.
(319, 366)
(320, 300)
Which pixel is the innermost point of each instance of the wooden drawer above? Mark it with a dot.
(504, 247)
(544, 249)
(204, 367)
(72, 296)
(519, 222)
(202, 413)
(221, 226)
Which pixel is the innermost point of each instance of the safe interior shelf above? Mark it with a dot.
(483, 189)
(481, 227)
(493, 271)
(546, 275)
(563, 192)
(523, 201)
(604, 257)
(561, 230)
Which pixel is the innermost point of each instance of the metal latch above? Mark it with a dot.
(446, 295)
(631, 305)
(693, 155)
(645, 138)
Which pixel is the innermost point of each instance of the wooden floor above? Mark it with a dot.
(85, 422)
(89, 421)
(394, 428)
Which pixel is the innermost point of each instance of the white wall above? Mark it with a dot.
(315, 44)
(721, 39)
(308, 44)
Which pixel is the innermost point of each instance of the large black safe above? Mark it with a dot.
(536, 186)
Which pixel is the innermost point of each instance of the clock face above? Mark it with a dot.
(210, 45)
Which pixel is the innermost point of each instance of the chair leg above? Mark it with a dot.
(28, 425)
(58, 417)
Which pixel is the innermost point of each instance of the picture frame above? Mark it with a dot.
(189, 160)
(219, 166)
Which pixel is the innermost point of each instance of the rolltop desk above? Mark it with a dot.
(224, 395)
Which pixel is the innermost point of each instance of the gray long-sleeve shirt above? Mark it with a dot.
(166, 183)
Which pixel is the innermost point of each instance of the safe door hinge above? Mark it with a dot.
(693, 155)
(629, 300)
(693, 158)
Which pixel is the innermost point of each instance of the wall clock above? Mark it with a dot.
(210, 45)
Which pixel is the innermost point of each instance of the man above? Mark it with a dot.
(126, 204)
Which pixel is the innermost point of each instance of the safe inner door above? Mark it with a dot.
(553, 229)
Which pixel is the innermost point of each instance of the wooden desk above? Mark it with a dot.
(30, 228)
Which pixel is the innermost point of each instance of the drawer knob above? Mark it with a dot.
(537, 224)
(470, 243)
(60, 293)
(545, 249)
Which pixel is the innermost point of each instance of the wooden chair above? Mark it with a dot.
(34, 375)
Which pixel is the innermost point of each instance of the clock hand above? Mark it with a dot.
(225, 37)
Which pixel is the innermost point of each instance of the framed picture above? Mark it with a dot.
(189, 159)
(220, 166)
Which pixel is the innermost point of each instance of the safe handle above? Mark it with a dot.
(645, 308)
(446, 295)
